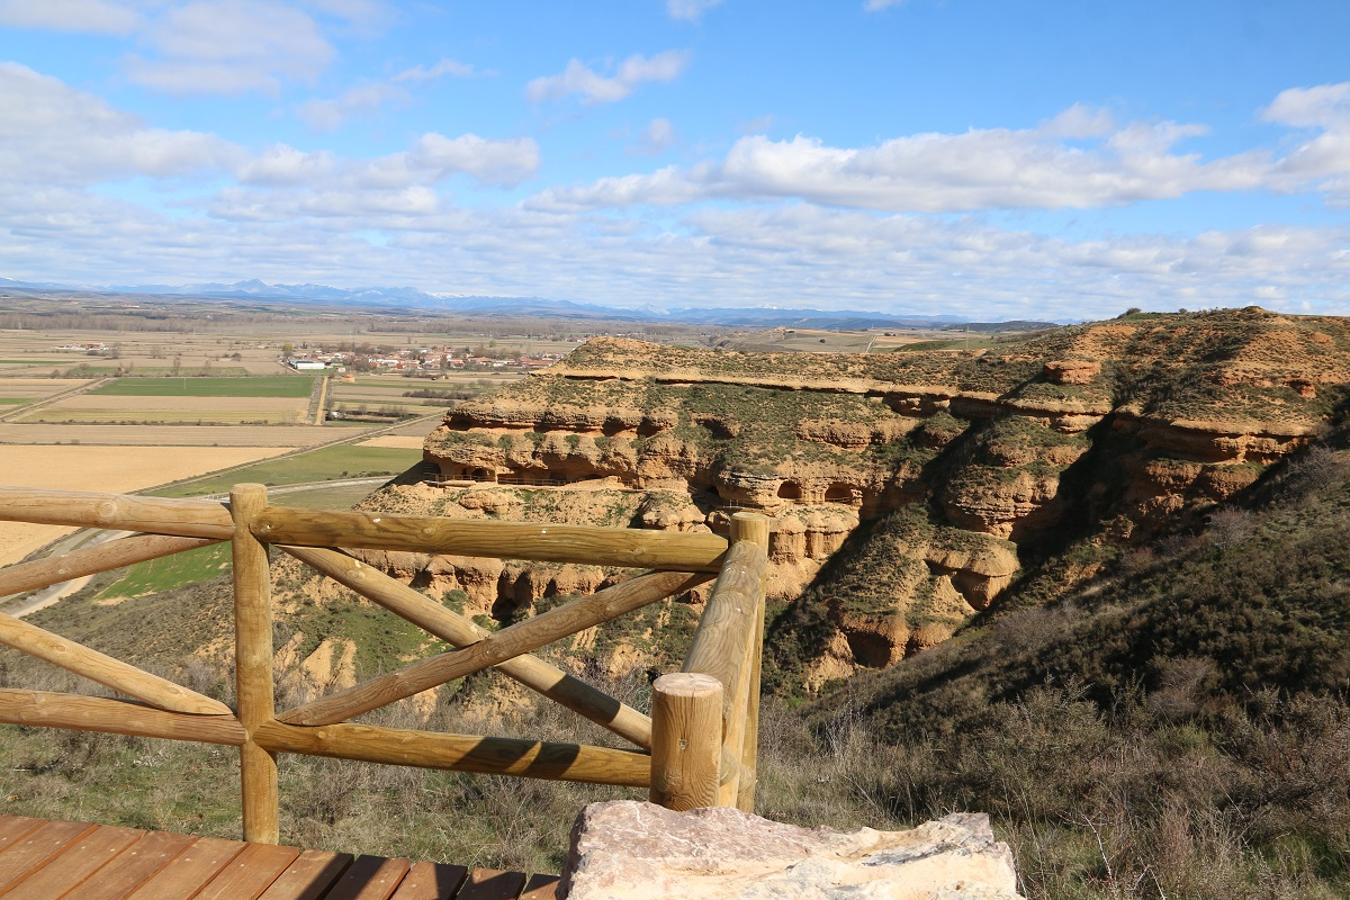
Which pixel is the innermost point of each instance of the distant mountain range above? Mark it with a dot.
(407, 298)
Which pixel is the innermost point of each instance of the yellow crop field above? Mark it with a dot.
(275, 436)
(101, 469)
(398, 441)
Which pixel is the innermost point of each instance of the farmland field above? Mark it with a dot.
(161, 409)
(280, 436)
(325, 464)
(264, 386)
(101, 469)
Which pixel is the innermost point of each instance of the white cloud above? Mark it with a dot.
(282, 164)
(362, 13)
(658, 137)
(285, 184)
(1322, 106)
(578, 78)
(879, 5)
(329, 114)
(440, 69)
(91, 16)
(1323, 160)
(53, 134)
(689, 10)
(230, 47)
(938, 172)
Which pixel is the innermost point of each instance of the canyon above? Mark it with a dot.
(906, 490)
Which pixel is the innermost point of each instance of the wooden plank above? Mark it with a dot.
(492, 884)
(40, 573)
(431, 881)
(113, 673)
(123, 512)
(253, 664)
(541, 887)
(56, 710)
(460, 631)
(512, 641)
(370, 878)
(248, 874)
(183, 875)
(35, 849)
(631, 547)
(14, 827)
(134, 865)
(82, 859)
(309, 877)
(460, 752)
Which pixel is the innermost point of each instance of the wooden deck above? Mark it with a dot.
(42, 860)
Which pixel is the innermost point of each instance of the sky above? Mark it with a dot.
(991, 159)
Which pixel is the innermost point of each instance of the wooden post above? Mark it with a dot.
(686, 740)
(253, 664)
(748, 526)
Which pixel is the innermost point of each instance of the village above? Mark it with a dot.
(411, 361)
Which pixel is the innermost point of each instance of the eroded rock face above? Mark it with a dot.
(1125, 426)
(626, 849)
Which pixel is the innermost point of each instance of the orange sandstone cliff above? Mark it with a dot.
(906, 490)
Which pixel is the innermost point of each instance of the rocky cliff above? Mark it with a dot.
(907, 490)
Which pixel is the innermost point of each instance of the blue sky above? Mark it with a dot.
(989, 158)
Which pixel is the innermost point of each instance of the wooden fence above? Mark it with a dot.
(697, 748)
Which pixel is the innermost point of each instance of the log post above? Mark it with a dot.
(253, 664)
(686, 740)
(748, 526)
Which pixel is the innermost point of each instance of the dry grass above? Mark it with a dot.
(397, 441)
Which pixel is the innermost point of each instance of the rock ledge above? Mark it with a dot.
(627, 849)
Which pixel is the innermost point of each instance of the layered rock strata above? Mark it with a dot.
(923, 476)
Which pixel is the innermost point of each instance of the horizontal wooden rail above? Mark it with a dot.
(113, 673)
(41, 573)
(510, 642)
(54, 710)
(463, 753)
(630, 547)
(122, 512)
(461, 631)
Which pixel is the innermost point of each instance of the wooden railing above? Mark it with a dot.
(698, 747)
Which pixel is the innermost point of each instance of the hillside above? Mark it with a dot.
(1175, 727)
(908, 490)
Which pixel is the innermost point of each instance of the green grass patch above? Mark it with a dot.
(15, 401)
(185, 386)
(325, 464)
(169, 572)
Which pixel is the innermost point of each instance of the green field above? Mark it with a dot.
(170, 572)
(326, 464)
(259, 386)
(15, 401)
